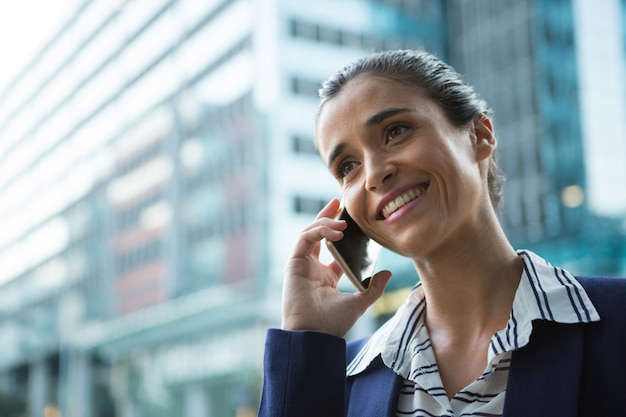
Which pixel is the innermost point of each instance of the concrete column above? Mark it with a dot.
(124, 405)
(196, 401)
(38, 387)
(78, 385)
(129, 409)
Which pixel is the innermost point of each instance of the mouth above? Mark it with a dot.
(403, 199)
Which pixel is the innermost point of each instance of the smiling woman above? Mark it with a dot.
(489, 330)
(388, 141)
(434, 79)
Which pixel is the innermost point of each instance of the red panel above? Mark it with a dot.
(141, 287)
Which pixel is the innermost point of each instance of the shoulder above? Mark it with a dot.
(602, 282)
(606, 294)
(354, 347)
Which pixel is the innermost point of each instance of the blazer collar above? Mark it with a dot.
(544, 379)
(374, 392)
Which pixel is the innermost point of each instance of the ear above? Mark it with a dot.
(485, 141)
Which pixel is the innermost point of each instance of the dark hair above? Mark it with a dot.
(436, 79)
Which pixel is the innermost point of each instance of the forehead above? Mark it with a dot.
(372, 89)
(359, 100)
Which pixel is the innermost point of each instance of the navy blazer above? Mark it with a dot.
(566, 370)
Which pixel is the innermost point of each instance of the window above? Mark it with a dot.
(303, 145)
(304, 87)
(308, 205)
(304, 30)
(333, 36)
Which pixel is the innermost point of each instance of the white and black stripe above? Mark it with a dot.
(545, 292)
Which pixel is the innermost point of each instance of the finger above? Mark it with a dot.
(331, 223)
(322, 228)
(309, 241)
(363, 300)
(376, 287)
(330, 210)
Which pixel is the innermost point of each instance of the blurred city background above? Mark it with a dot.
(157, 165)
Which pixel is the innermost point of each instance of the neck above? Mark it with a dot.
(470, 286)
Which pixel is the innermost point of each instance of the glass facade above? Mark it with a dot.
(147, 194)
(527, 60)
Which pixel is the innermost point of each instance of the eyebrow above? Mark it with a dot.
(335, 153)
(384, 114)
(376, 119)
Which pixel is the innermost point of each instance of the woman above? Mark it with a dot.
(489, 331)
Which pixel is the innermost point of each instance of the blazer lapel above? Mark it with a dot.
(544, 378)
(374, 392)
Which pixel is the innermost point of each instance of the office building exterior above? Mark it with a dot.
(554, 73)
(157, 165)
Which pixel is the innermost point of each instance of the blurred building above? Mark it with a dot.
(554, 72)
(157, 164)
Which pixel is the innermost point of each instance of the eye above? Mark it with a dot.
(394, 131)
(344, 168)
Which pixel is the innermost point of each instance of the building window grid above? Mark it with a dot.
(304, 145)
(129, 218)
(231, 162)
(29, 300)
(167, 52)
(235, 221)
(129, 260)
(136, 257)
(86, 243)
(85, 80)
(228, 55)
(308, 205)
(324, 34)
(415, 7)
(124, 167)
(559, 110)
(214, 128)
(305, 87)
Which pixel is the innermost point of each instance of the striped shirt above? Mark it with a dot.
(544, 292)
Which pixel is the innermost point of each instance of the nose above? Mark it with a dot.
(378, 172)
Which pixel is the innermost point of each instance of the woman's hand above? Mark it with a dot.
(311, 300)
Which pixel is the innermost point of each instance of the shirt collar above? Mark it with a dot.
(545, 292)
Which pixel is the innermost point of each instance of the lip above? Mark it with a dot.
(395, 194)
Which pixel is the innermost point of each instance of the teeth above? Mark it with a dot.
(402, 200)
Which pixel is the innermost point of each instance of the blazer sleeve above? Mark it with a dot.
(304, 375)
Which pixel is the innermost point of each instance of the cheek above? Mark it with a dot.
(353, 201)
(359, 208)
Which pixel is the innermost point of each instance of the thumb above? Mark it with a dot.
(376, 287)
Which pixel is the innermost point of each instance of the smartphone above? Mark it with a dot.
(355, 253)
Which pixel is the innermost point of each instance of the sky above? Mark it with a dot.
(25, 27)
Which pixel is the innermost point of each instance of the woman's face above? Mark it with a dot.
(409, 178)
